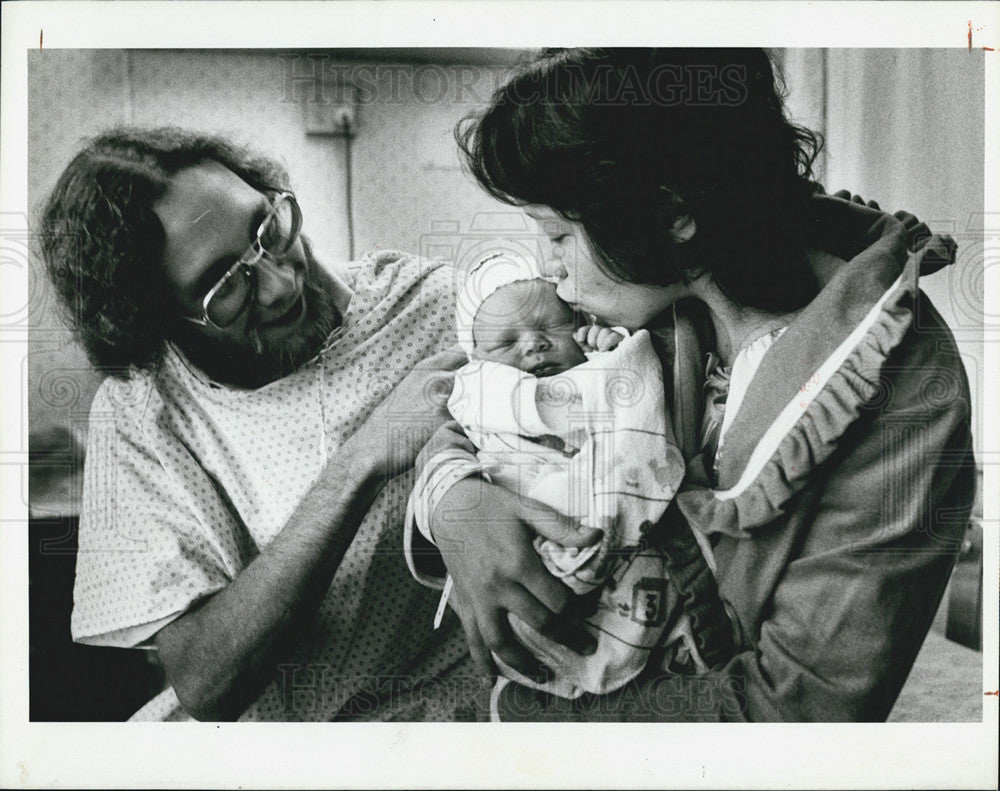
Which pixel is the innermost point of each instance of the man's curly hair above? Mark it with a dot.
(103, 243)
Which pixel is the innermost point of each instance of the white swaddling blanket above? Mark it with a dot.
(592, 443)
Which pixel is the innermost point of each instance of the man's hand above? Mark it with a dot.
(484, 533)
(221, 653)
(400, 426)
(595, 338)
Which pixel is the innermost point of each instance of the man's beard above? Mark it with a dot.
(275, 359)
(258, 361)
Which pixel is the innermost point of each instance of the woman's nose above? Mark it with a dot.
(552, 266)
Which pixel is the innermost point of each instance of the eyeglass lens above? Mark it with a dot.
(231, 296)
(281, 229)
(276, 238)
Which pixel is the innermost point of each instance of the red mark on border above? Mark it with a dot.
(41, 33)
(994, 692)
(977, 29)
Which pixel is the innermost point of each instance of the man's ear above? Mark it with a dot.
(683, 229)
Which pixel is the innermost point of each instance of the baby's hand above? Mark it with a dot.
(595, 338)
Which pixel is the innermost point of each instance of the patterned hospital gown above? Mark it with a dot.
(186, 481)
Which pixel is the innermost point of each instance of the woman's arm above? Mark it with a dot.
(484, 533)
(855, 605)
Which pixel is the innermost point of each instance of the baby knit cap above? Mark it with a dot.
(492, 272)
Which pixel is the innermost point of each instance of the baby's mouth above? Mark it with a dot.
(546, 369)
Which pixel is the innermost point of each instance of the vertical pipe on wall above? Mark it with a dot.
(349, 190)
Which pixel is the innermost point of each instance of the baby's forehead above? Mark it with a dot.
(519, 300)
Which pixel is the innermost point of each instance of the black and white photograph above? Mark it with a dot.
(632, 390)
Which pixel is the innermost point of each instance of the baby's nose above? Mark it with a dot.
(534, 341)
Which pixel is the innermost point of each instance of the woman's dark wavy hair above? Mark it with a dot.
(625, 141)
(103, 244)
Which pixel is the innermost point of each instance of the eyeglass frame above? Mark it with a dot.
(258, 253)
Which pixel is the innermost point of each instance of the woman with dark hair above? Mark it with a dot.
(826, 435)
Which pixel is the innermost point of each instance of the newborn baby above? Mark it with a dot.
(573, 417)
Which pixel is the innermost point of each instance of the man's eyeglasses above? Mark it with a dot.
(229, 297)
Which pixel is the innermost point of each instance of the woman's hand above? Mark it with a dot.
(484, 533)
(846, 195)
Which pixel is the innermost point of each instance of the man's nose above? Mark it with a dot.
(276, 281)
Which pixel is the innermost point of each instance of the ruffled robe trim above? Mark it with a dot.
(771, 453)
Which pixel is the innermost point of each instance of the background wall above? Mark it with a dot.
(903, 127)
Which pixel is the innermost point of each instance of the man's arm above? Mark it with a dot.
(220, 654)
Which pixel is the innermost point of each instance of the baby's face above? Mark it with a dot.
(527, 326)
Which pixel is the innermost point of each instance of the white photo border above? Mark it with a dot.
(479, 756)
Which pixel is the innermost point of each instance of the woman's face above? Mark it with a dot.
(583, 283)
